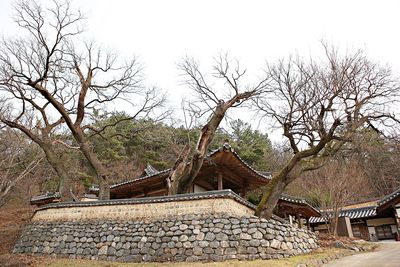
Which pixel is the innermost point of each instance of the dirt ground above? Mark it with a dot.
(12, 220)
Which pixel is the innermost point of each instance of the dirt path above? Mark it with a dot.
(388, 255)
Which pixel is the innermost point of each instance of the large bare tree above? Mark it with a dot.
(69, 78)
(228, 91)
(319, 107)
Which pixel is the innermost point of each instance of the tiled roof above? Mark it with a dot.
(389, 197)
(149, 170)
(317, 219)
(48, 195)
(351, 213)
(298, 200)
(361, 210)
(227, 193)
(225, 147)
(141, 178)
(94, 188)
(359, 213)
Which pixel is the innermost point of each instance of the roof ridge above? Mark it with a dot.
(180, 197)
(389, 197)
(290, 198)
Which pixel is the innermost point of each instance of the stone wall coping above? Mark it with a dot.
(227, 193)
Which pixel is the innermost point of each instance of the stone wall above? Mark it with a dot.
(218, 226)
(187, 238)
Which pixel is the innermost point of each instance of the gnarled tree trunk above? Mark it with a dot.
(184, 172)
(95, 163)
(65, 181)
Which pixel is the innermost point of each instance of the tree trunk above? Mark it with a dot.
(184, 172)
(287, 174)
(335, 223)
(65, 182)
(271, 196)
(101, 171)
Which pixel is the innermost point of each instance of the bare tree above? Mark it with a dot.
(214, 103)
(379, 159)
(18, 159)
(38, 130)
(69, 79)
(338, 183)
(320, 106)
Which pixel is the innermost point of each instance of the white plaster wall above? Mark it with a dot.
(146, 210)
(380, 221)
(198, 189)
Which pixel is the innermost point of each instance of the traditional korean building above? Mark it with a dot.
(222, 169)
(373, 220)
(295, 209)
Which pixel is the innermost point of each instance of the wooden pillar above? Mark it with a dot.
(166, 185)
(299, 220)
(191, 189)
(244, 189)
(220, 182)
(308, 224)
(396, 216)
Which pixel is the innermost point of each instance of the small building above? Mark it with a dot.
(296, 210)
(46, 198)
(373, 220)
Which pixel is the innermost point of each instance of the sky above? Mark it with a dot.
(160, 33)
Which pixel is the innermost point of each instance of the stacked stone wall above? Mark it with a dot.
(182, 238)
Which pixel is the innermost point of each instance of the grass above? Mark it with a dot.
(292, 261)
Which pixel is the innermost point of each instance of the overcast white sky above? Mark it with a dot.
(161, 32)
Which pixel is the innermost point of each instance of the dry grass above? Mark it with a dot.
(292, 261)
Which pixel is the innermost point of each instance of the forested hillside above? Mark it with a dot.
(368, 168)
(126, 150)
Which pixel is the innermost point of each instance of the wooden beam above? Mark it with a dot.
(220, 181)
(236, 177)
(159, 192)
(205, 184)
(145, 191)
